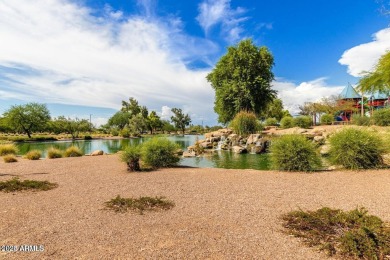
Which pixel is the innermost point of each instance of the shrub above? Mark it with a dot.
(271, 122)
(245, 123)
(357, 119)
(10, 158)
(141, 204)
(131, 156)
(327, 119)
(54, 153)
(125, 132)
(73, 151)
(294, 153)
(287, 122)
(159, 152)
(302, 121)
(33, 155)
(356, 149)
(16, 185)
(87, 137)
(114, 132)
(352, 234)
(382, 117)
(8, 149)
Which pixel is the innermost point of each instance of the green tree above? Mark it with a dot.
(167, 126)
(4, 126)
(71, 126)
(275, 109)
(154, 121)
(138, 124)
(379, 78)
(179, 119)
(120, 119)
(242, 80)
(131, 107)
(27, 118)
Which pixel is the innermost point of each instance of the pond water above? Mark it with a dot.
(216, 159)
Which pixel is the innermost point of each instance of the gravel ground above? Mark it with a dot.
(219, 213)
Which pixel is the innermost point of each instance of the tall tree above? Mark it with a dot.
(71, 126)
(154, 121)
(275, 109)
(379, 78)
(27, 118)
(242, 80)
(138, 124)
(131, 107)
(179, 119)
(120, 119)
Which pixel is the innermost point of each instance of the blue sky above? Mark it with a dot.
(83, 57)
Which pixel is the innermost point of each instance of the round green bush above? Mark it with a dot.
(357, 119)
(287, 122)
(131, 156)
(294, 153)
(54, 153)
(245, 123)
(33, 155)
(8, 149)
(327, 119)
(356, 149)
(73, 151)
(159, 152)
(382, 117)
(302, 121)
(271, 122)
(125, 132)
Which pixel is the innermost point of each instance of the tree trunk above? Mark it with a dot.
(28, 134)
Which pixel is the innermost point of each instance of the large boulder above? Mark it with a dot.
(325, 149)
(97, 152)
(253, 138)
(239, 149)
(207, 145)
(189, 154)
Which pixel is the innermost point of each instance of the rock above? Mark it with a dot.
(319, 139)
(325, 149)
(207, 145)
(253, 138)
(189, 154)
(239, 149)
(191, 148)
(97, 152)
(386, 159)
(232, 137)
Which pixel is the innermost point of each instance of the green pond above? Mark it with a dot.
(217, 159)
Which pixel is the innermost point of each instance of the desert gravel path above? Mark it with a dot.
(219, 213)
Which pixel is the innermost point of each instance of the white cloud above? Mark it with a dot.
(61, 52)
(363, 58)
(214, 12)
(294, 95)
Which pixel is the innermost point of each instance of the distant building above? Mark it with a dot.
(378, 100)
(349, 94)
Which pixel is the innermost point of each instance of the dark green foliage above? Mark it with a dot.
(242, 80)
(87, 137)
(356, 149)
(33, 155)
(125, 132)
(73, 151)
(114, 132)
(271, 122)
(16, 185)
(141, 204)
(327, 119)
(382, 117)
(10, 158)
(27, 118)
(245, 123)
(131, 156)
(287, 122)
(120, 119)
(160, 152)
(357, 119)
(352, 234)
(294, 153)
(302, 121)
(70, 126)
(179, 119)
(275, 110)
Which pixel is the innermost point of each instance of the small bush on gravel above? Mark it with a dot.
(361, 120)
(141, 204)
(327, 119)
(16, 185)
(352, 234)
(245, 123)
(33, 155)
(287, 122)
(382, 117)
(294, 153)
(10, 158)
(159, 152)
(131, 156)
(302, 121)
(54, 153)
(73, 151)
(356, 149)
(8, 149)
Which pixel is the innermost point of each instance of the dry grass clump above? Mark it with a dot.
(10, 158)
(141, 204)
(33, 155)
(353, 234)
(54, 153)
(73, 151)
(16, 185)
(8, 149)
